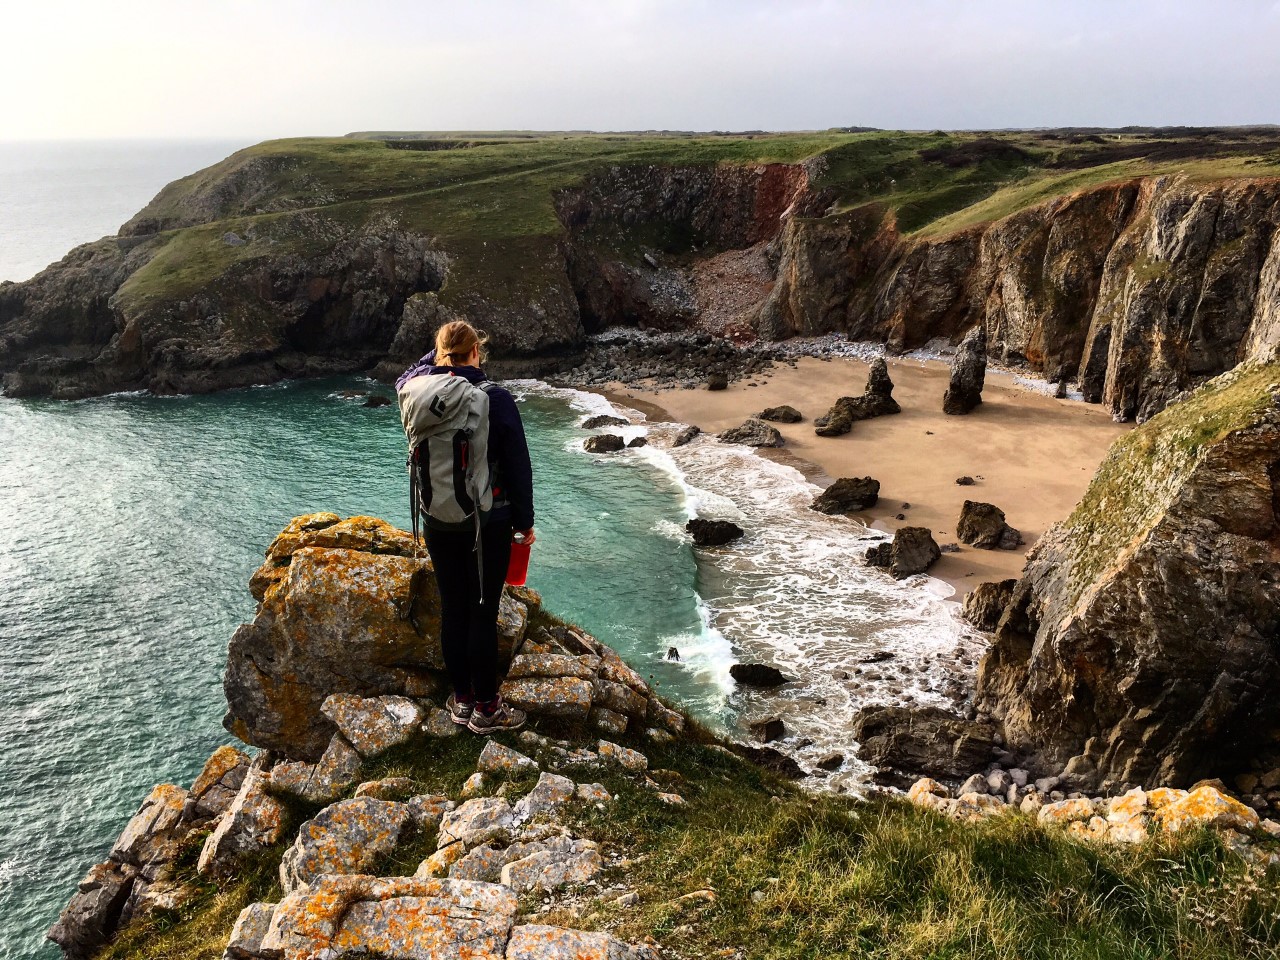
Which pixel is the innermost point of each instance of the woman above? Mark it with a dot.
(469, 628)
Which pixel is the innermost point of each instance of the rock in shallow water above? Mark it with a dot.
(757, 675)
(912, 550)
(713, 533)
(753, 433)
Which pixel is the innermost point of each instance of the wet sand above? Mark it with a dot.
(1030, 454)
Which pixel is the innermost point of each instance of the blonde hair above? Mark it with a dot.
(456, 340)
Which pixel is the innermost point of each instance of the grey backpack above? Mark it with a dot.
(446, 421)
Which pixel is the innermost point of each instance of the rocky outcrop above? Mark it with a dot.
(912, 550)
(1139, 645)
(604, 443)
(847, 495)
(906, 743)
(983, 525)
(876, 401)
(968, 374)
(984, 605)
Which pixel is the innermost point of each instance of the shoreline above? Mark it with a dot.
(1029, 453)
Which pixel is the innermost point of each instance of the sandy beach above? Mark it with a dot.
(1030, 454)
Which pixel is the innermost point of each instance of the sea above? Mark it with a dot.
(130, 525)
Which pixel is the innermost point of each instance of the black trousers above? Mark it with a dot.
(468, 628)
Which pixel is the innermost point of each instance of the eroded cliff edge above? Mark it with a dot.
(1142, 644)
(306, 257)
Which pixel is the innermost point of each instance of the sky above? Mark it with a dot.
(257, 69)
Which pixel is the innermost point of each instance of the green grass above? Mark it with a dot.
(491, 205)
(796, 875)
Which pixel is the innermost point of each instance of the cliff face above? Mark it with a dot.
(1137, 290)
(1142, 644)
(299, 258)
(632, 233)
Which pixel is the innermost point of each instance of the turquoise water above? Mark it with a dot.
(129, 526)
(54, 195)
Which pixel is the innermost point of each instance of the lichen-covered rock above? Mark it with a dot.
(983, 525)
(753, 433)
(152, 834)
(607, 721)
(561, 862)
(551, 696)
(482, 820)
(1067, 811)
(249, 930)
(347, 837)
(89, 920)
(439, 724)
(497, 759)
(389, 788)
(551, 792)
(216, 787)
(619, 698)
(847, 495)
(1138, 645)
(441, 862)
(968, 373)
(912, 550)
(1207, 807)
(663, 717)
(321, 782)
(553, 665)
(254, 821)
(395, 918)
(373, 725)
(541, 942)
(631, 760)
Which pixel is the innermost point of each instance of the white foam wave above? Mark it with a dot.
(795, 593)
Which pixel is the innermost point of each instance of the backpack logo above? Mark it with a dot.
(436, 406)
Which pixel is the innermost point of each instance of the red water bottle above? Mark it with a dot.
(518, 567)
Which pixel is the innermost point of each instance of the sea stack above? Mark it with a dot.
(968, 372)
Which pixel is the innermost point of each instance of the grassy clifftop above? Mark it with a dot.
(489, 199)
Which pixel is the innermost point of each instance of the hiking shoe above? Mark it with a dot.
(459, 712)
(504, 717)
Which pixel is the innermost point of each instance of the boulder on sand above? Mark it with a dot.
(983, 525)
(968, 373)
(782, 414)
(604, 420)
(847, 495)
(912, 550)
(876, 401)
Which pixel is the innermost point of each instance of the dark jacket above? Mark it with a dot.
(508, 449)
